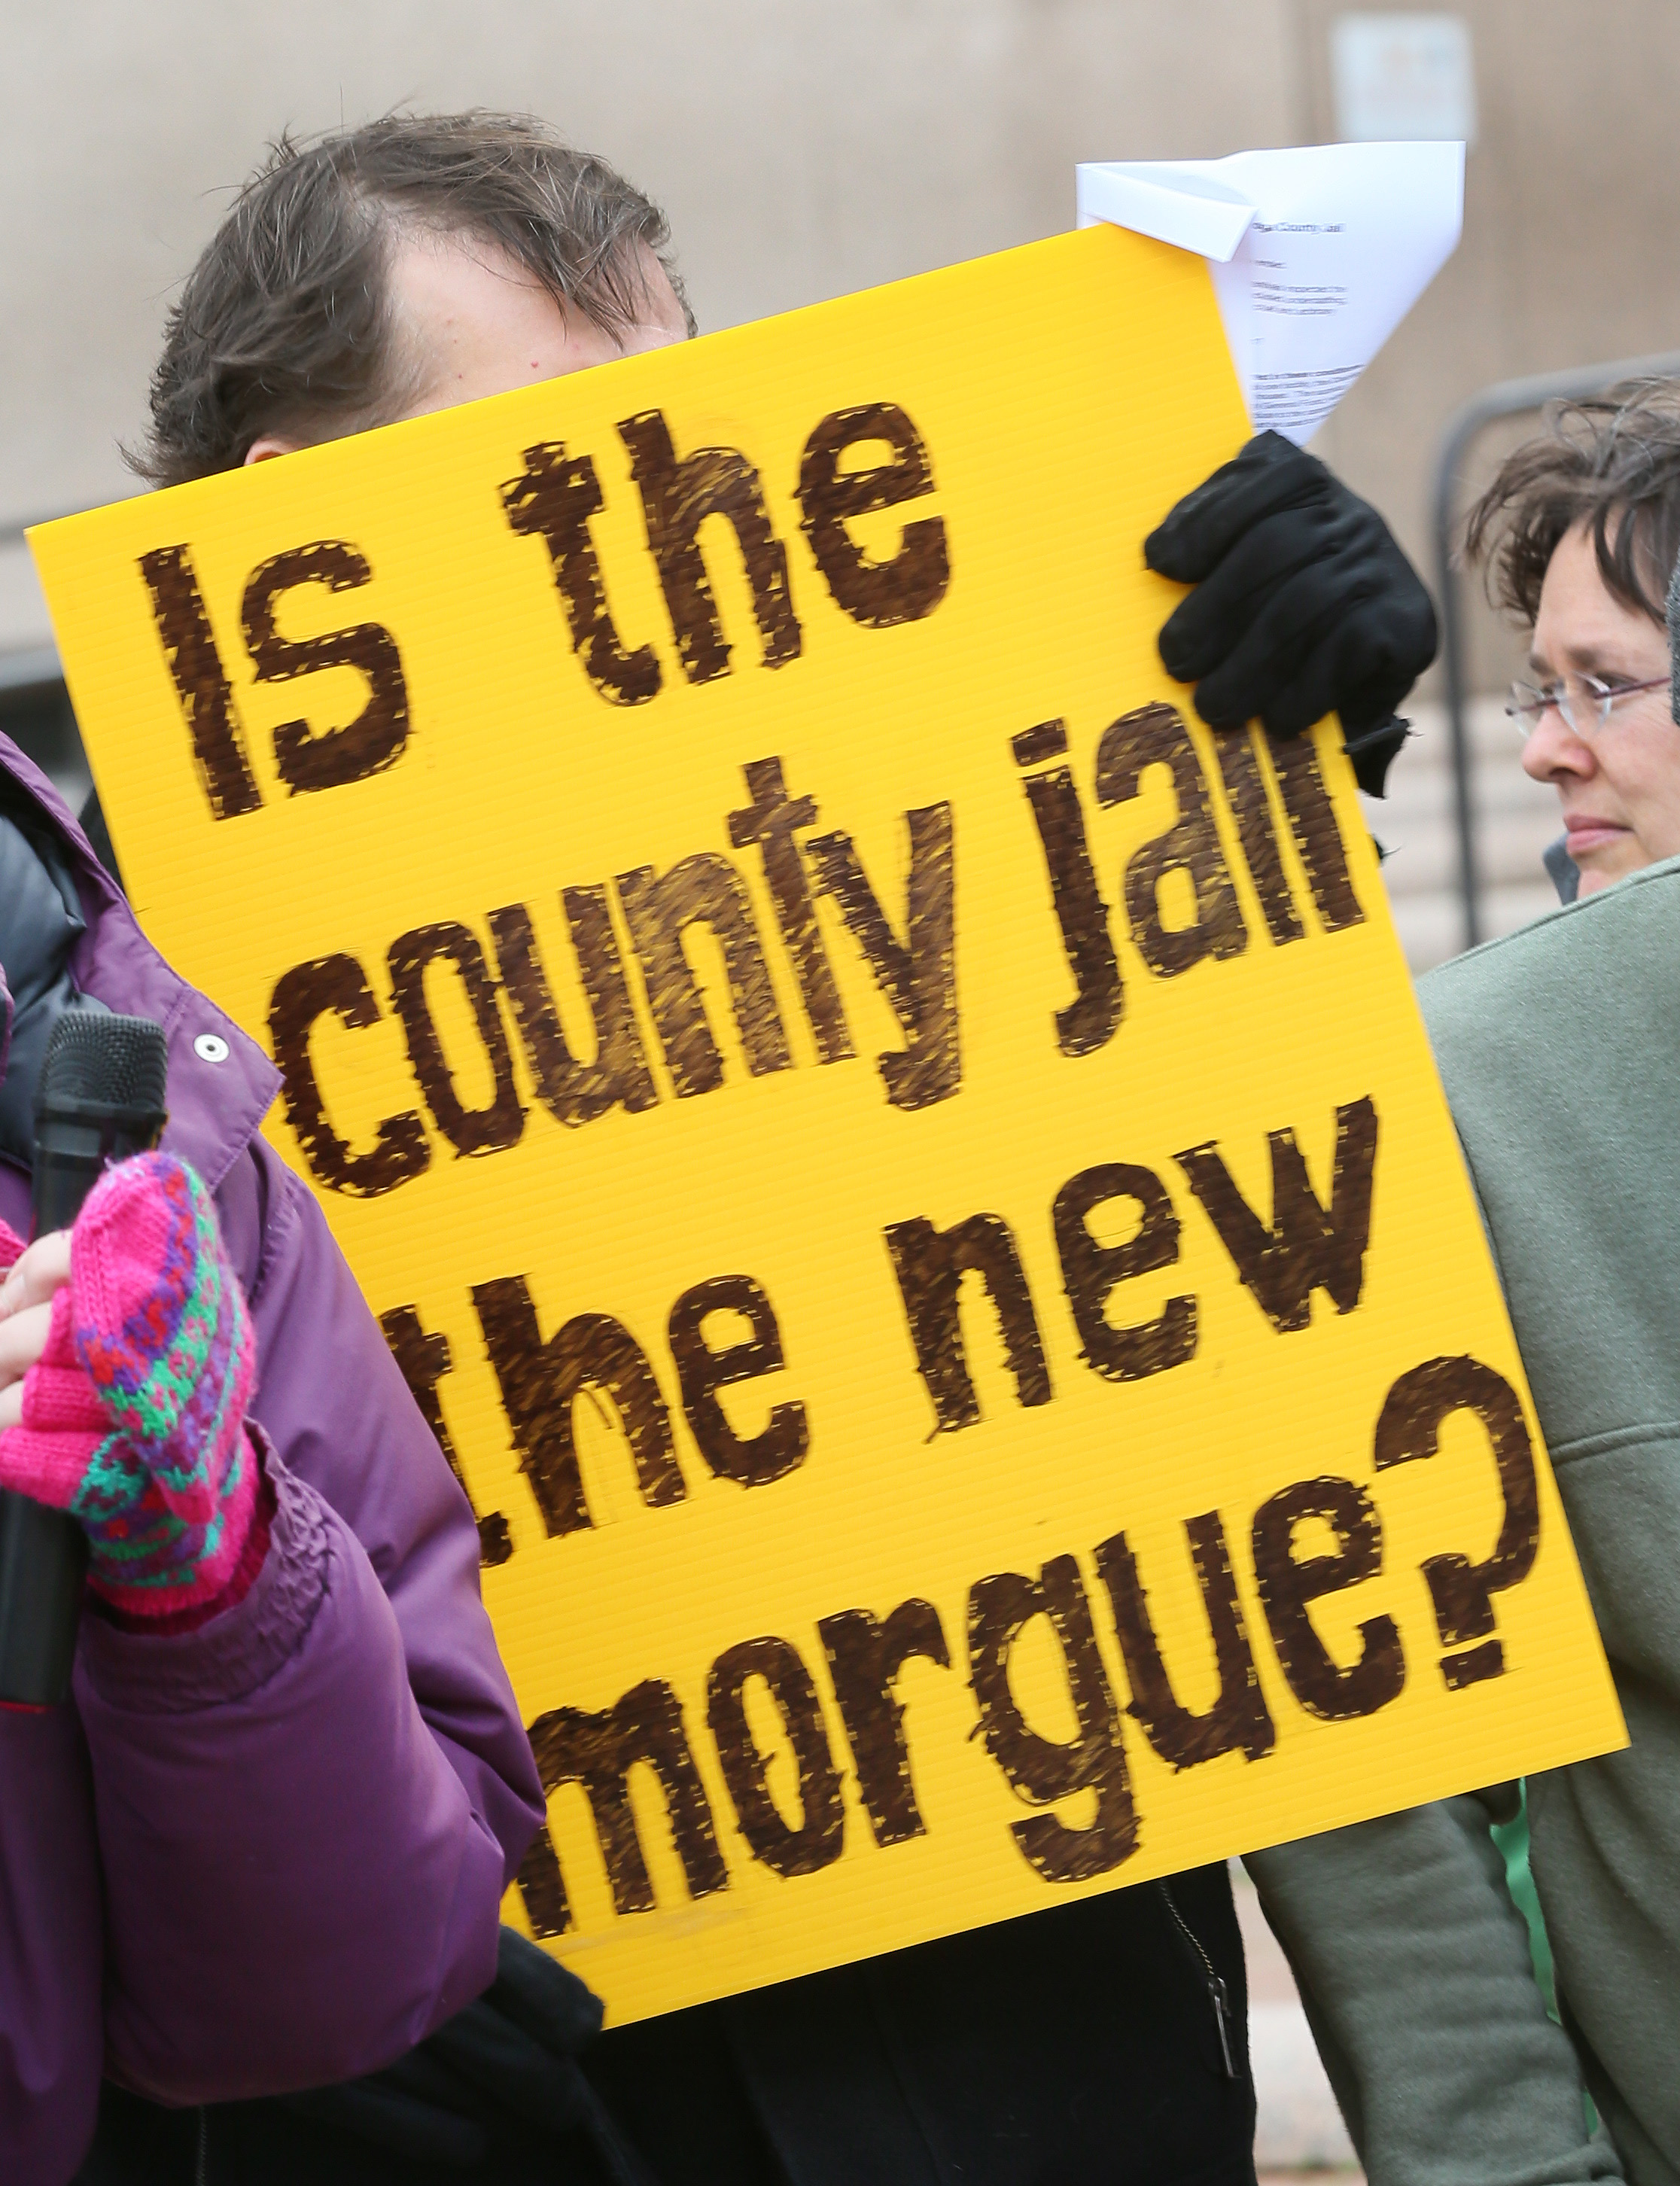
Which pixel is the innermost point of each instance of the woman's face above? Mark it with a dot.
(1619, 783)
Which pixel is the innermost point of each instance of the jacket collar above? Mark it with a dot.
(220, 1083)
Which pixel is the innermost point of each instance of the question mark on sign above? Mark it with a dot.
(1462, 1591)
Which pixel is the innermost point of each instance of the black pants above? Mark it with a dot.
(264, 2144)
(1076, 2047)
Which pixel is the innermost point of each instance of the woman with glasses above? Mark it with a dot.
(1558, 1048)
(1580, 530)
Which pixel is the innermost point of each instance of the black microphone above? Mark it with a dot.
(100, 1099)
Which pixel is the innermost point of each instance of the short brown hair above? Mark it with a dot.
(1612, 463)
(284, 324)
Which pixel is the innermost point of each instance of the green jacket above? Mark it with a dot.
(1559, 1050)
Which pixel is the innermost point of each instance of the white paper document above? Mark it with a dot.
(1317, 253)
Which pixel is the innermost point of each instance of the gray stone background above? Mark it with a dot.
(806, 148)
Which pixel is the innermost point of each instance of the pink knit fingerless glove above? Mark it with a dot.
(134, 1414)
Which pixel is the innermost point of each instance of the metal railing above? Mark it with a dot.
(1506, 398)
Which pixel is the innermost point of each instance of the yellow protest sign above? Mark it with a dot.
(910, 1178)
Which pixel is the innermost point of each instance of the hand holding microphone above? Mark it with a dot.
(132, 1417)
(127, 1359)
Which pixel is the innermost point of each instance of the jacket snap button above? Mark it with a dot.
(210, 1047)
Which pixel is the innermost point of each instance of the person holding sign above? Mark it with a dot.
(1102, 2038)
(284, 1655)
(266, 1846)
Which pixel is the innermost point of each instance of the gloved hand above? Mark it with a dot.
(133, 1416)
(1303, 604)
(498, 2082)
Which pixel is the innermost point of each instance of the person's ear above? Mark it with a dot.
(270, 443)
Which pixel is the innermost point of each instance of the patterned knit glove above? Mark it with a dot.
(134, 1414)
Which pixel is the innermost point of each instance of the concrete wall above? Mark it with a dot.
(805, 148)
(1570, 253)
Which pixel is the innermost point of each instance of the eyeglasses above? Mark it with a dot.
(1584, 702)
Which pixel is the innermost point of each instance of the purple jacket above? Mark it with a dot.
(270, 1853)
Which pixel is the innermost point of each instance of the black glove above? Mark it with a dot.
(1303, 604)
(494, 2087)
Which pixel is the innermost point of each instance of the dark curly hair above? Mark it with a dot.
(284, 324)
(1611, 462)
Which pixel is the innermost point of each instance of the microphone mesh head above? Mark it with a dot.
(113, 1061)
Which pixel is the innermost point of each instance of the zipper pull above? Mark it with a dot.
(1222, 2014)
(1218, 1994)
